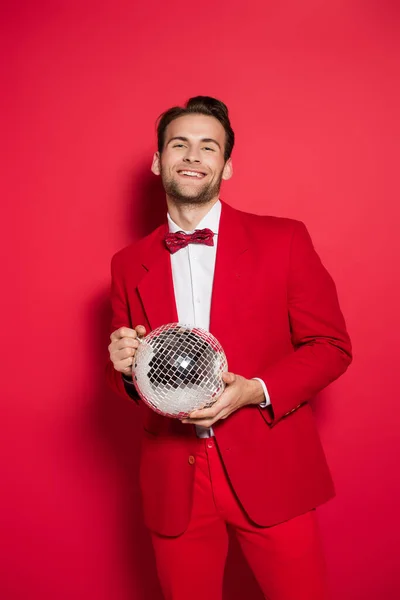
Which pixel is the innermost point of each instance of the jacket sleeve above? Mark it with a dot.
(322, 347)
(120, 317)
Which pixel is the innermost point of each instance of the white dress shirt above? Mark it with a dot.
(193, 275)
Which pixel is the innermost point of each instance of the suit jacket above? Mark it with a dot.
(276, 313)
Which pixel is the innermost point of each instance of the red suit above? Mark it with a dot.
(276, 313)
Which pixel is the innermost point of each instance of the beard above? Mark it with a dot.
(181, 195)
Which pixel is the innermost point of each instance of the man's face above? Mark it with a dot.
(192, 163)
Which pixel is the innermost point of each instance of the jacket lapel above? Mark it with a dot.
(231, 277)
(156, 287)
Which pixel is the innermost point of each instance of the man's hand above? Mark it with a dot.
(239, 392)
(123, 347)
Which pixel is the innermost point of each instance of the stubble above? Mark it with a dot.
(205, 194)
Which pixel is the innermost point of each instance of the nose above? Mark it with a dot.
(191, 156)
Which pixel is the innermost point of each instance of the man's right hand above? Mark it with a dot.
(123, 347)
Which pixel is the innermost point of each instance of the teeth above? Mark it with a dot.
(191, 173)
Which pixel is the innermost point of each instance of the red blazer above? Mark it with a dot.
(276, 313)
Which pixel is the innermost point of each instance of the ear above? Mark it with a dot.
(155, 166)
(228, 169)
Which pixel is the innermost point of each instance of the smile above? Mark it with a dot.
(194, 174)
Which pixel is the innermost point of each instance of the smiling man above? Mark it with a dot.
(253, 461)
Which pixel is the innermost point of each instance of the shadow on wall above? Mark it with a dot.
(113, 420)
(146, 208)
(116, 426)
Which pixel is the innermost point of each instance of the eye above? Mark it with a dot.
(207, 148)
(177, 146)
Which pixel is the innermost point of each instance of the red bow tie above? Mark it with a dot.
(180, 239)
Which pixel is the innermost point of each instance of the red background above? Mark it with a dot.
(313, 92)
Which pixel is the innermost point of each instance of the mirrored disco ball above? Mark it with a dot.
(178, 368)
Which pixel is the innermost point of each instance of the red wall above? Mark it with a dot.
(313, 91)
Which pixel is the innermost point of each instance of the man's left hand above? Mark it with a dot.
(239, 392)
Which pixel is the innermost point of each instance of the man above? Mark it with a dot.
(254, 460)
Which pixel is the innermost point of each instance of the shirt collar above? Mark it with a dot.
(209, 221)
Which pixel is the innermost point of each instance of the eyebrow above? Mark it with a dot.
(184, 139)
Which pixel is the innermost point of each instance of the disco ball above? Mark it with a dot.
(178, 369)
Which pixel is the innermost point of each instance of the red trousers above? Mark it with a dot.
(286, 559)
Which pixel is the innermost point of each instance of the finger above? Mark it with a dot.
(224, 401)
(211, 413)
(200, 422)
(122, 354)
(228, 378)
(141, 330)
(208, 413)
(121, 365)
(206, 422)
(122, 332)
(127, 342)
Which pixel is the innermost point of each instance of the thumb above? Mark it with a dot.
(140, 330)
(228, 378)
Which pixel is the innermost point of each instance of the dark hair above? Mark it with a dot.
(200, 105)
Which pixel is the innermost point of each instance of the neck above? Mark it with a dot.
(188, 216)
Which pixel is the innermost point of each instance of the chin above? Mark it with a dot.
(185, 193)
(191, 199)
(190, 194)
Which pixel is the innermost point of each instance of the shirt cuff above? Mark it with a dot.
(267, 400)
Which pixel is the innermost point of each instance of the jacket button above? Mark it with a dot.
(191, 460)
